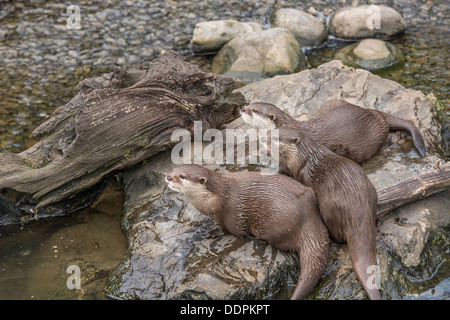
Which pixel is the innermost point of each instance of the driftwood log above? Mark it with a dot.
(125, 117)
(115, 121)
(413, 189)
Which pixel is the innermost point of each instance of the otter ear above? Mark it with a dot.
(272, 117)
(296, 141)
(202, 180)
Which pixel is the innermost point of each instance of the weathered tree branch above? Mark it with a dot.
(115, 121)
(126, 116)
(413, 189)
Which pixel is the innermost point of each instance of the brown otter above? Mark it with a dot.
(347, 199)
(344, 128)
(274, 208)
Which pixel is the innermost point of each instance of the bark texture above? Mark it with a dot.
(413, 189)
(115, 121)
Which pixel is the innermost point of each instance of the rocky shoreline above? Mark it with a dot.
(167, 256)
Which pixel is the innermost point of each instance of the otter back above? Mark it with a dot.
(347, 199)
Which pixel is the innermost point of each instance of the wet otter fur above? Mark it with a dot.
(274, 208)
(344, 128)
(347, 199)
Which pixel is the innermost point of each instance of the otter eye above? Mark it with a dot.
(255, 111)
(182, 177)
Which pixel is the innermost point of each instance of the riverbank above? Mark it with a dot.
(42, 61)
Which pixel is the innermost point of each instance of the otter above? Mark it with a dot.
(274, 208)
(347, 199)
(344, 128)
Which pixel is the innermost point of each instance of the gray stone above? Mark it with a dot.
(257, 55)
(412, 246)
(212, 35)
(374, 21)
(307, 29)
(370, 54)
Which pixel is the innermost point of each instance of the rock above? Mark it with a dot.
(256, 55)
(374, 21)
(412, 245)
(307, 29)
(73, 53)
(169, 258)
(407, 230)
(210, 36)
(370, 54)
(371, 49)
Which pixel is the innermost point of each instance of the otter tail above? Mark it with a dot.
(313, 254)
(362, 250)
(396, 123)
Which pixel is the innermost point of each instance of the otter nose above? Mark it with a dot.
(243, 109)
(169, 178)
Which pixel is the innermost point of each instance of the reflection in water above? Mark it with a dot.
(34, 259)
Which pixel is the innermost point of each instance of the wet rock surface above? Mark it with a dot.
(170, 258)
(412, 247)
(371, 54)
(257, 55)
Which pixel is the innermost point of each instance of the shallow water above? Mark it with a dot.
(41, 62)
(34, 259)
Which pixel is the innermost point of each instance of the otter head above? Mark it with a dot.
(286, 140)
(263, 115)
(187, 179)
(194, 182)
(289, 139)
